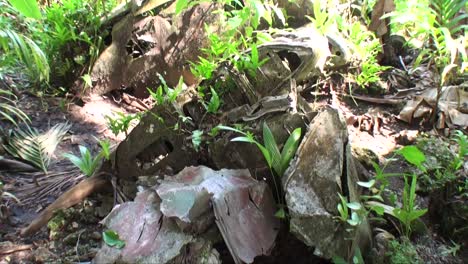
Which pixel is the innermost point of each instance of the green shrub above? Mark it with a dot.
(403, 252)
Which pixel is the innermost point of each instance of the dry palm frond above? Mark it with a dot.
(29, 145)
(35, 189)
(50, 185)
(8, 109)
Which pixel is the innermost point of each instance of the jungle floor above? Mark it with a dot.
(75, 234)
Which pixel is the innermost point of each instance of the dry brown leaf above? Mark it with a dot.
(381, 8)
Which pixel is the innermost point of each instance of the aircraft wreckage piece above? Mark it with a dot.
(165, 222)
(322, 169)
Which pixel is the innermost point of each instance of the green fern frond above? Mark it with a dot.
(28, 144)
(28, 52)
(448, 14)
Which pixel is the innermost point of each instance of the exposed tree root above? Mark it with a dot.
(73, 196)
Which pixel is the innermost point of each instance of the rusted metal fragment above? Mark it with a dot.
(323, 168)
(144, 46)
(149, 237)
(245, 218)
(244, 207)
(154, 146)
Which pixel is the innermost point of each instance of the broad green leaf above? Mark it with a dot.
(266, 154)
(74, 159)
(254, 55)
(28, 8)
(87, 79)
(281, 214)
(214, 103)
(234, 22)
(105, 148)
(342, 208)
(181, 5)
(357, 258)
(390, 210)
(270, 144)
(86, 163)
(416, 214)
(111, 238)
(378, 209)
(289, 149)
(412, 155)
(354, 221)
(231, 129)
(243, 139)
(368, 184)
(354, 206)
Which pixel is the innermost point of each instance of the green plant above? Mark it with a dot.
(442, 165)
(462, 142)
(366, 47)
(86, 163)
(27, 52)
(276, 161)
(214, 103)
(323, 20)
(453, 250)
(112, 239)
(197, 139)
(438, 23)
(344, 206)
(28, 144)
(403, 252)
(447, 15)
(27, 8)
(238, 45)
(105, 148)
(8, 108)
(409, 212)
(121, 122)
(165, 94)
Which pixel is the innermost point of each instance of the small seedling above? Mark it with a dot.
(111, 238)
(86, 163)
(214, 103)
(197, 139)
(122, 122)
(277, 161)
(343, 207)
(409, 212)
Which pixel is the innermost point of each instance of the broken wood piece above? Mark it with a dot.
(73, 196)
(14, 248)
(15, 165)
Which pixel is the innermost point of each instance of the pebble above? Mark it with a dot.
(95, 236)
